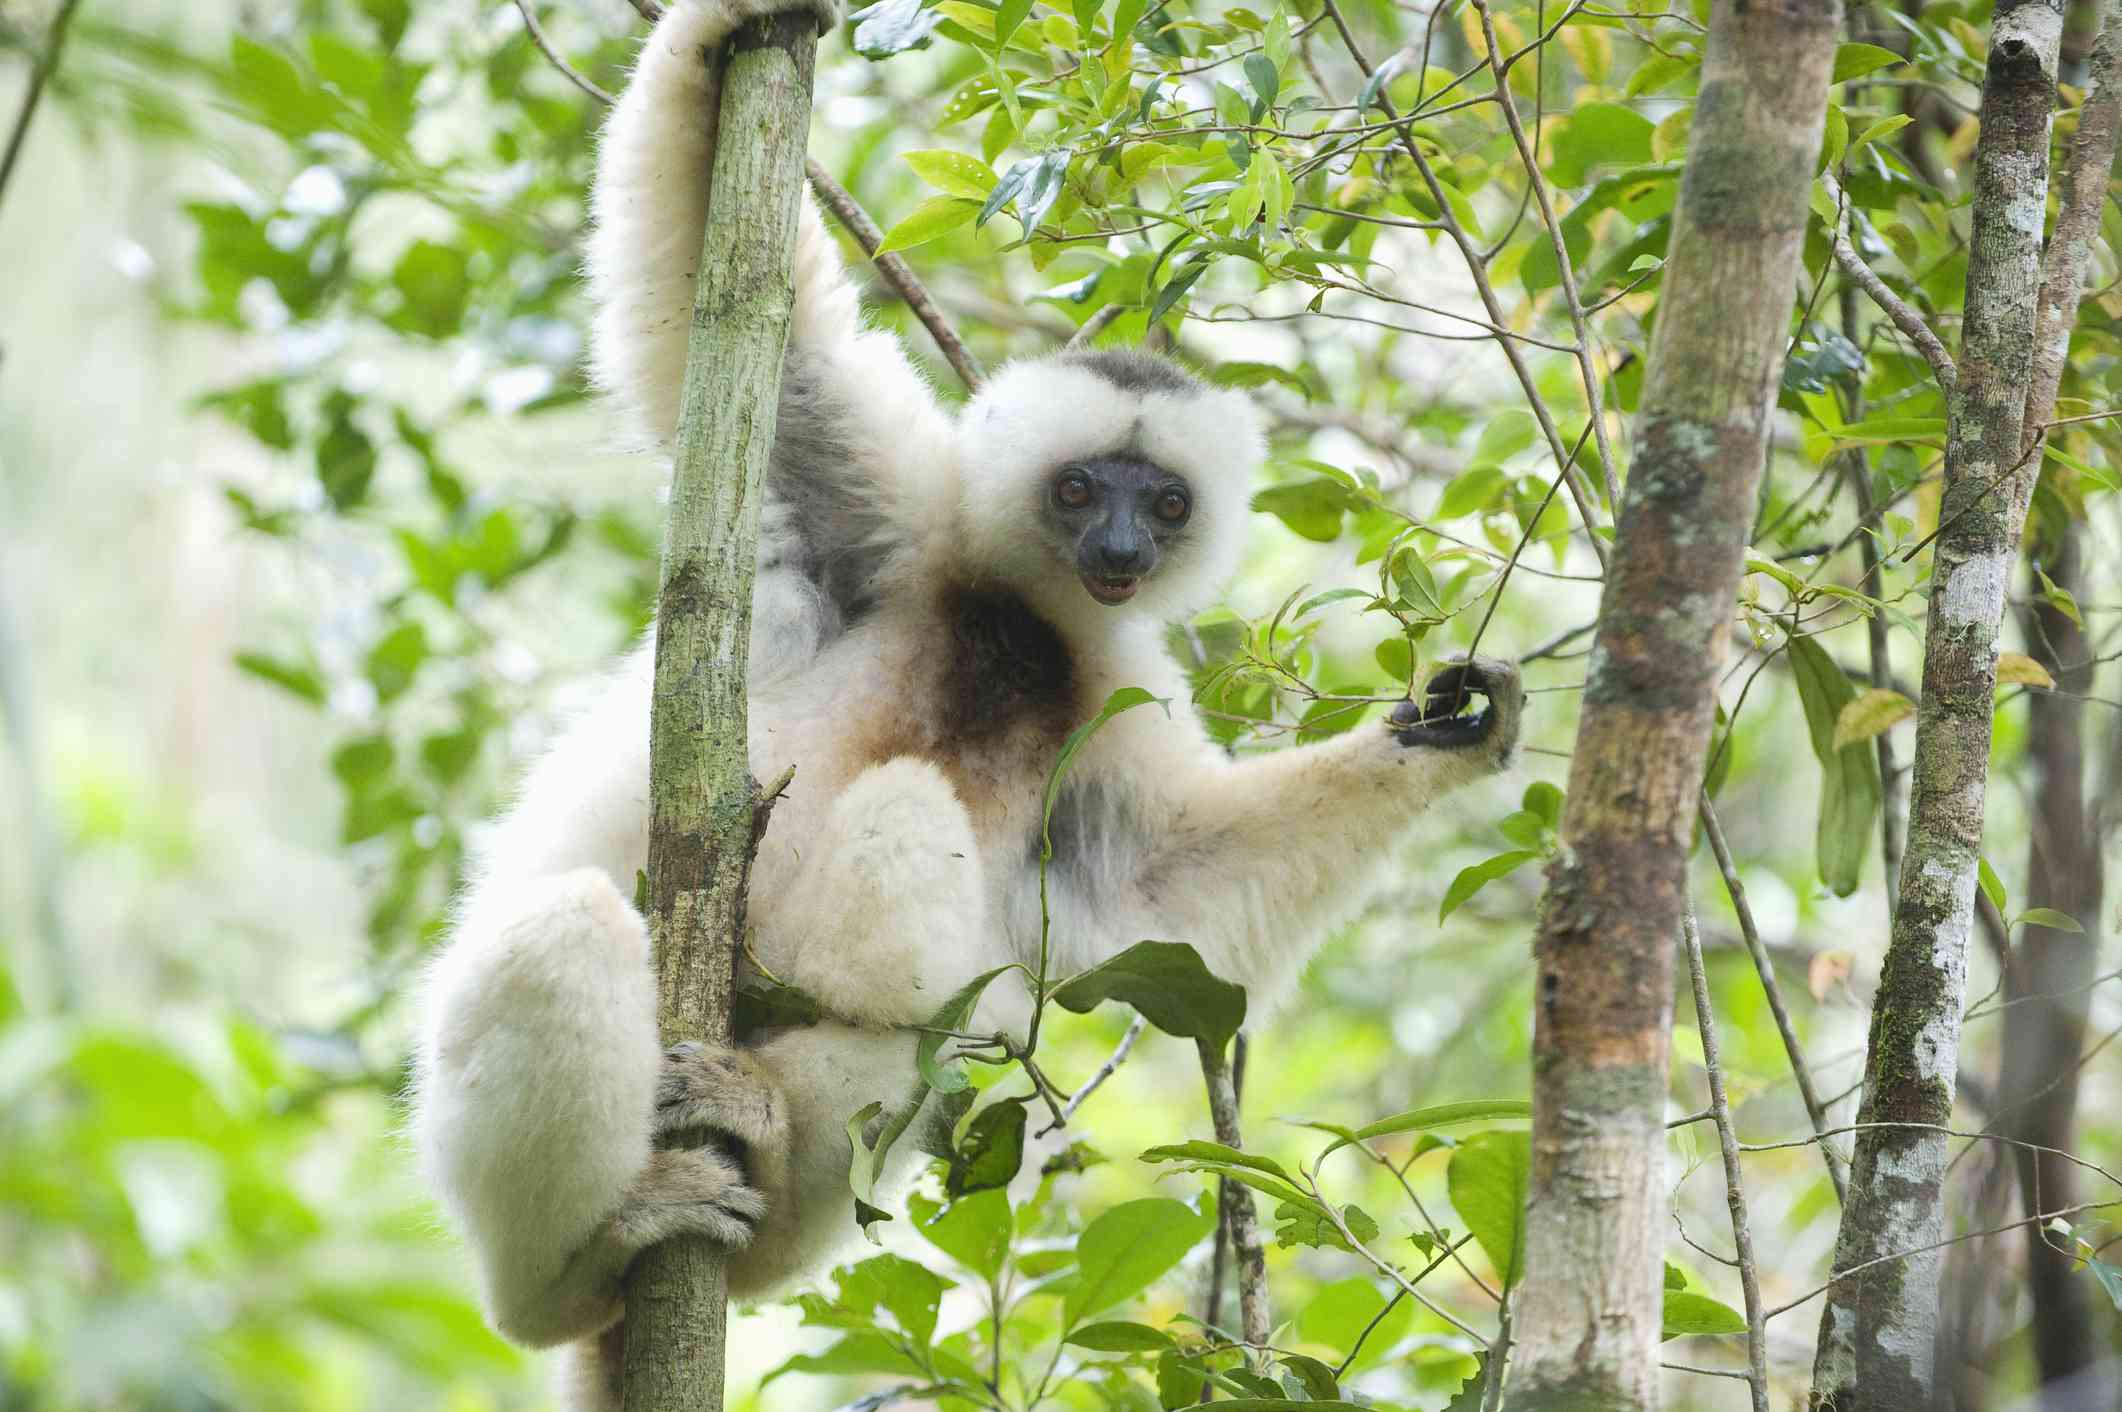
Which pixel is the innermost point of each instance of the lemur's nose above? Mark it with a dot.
(1122, 553)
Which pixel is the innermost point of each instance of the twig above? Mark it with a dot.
(1105, 1071)
(1765, 968)
(1341, 1370)
(1734, 1182)
(1537, 183)
(1579, 492)
(40, 77)
(545, 47)
(1236, 1199)
(897, 273)
(1904, 317)
(1096, 324)
(650, 10)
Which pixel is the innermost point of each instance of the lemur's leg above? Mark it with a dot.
(544, 1100)
(1288, 841)
(887, 913)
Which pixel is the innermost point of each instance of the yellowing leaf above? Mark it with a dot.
(1868, 714)
(2018, 669)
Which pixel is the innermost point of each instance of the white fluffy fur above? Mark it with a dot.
(901, 864)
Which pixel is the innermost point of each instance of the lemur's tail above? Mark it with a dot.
(650, 205)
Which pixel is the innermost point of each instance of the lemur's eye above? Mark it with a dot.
(1072, 490)
(1173, 506)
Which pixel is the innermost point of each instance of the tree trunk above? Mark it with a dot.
(1878, 1329)
(2046, 982)
(1587, 1317)
(706, 808)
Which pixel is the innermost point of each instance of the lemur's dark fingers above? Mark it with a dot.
(1442, 718)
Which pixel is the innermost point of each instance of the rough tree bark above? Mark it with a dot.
(1239, 1222)
(1587, 1316)
(2046, 982)
(1877, 1333)
(707, 809)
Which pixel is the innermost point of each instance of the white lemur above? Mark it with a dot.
(941, 599)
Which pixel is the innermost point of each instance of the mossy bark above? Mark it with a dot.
(1587, 1317)
(706, 807)
(1877, 1332)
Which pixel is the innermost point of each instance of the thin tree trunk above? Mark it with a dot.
(2047, 980)
(1878, 1330)
(1587, 1316)
(707, 812)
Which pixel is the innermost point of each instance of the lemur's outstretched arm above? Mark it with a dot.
(1296, 834)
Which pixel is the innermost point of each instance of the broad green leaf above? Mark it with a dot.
(1545, 800)
(1120, 1336)
(1198, 1150)
(1339, 1314)
(1849, 775)
(1687, 1312)
(1857, 60)
(1472, 880)
(1167, 984)
(1437, 1116)
(934, 217)
(953, 173)
(1488, 1178)
(911, 1292)
(1008, 17)
(1992, 887)
(974, 1230)
(2050, 918)
(993, 1150)
(1869, 713)
(1311, 508)
(1599, 134)
(1121, 1252)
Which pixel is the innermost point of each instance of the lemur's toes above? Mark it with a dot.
(709, 1094)
(699, 1193)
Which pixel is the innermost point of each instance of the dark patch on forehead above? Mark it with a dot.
(1003, 667)
(1132, 370)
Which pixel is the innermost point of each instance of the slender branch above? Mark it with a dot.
(1897, 309)
(1579, 492)
(897, 273)
(1713, 830)
(1734, 1180)
(39, 79)
(1236, 1200)
(1105, 1071)
(545, 47)
(1537, 184)
(1096, 324)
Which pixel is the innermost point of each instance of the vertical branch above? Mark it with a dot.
(1588, 1313)
(706, 808)
(1878, 1330)
(1234, 1200)
(1734, 1182)
(2047, 984)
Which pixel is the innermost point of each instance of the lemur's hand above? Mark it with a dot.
(715, 1109)
(714, 1097)
(685, 1193)
(1445, 718)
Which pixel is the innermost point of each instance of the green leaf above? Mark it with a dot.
(953, 173)
(395, 659)
(975, 1230)
(1439, 1115)
(934, 217)
(434, 283)
(1308, 1223)
(1121, 1252)
(1120, 1336)
(1167, 984)
(1311, 508)
(1857, 60)
(1008, 17)
(1599, 134)
(1489, 1175)
(1992, 886)
(1687, 1312)
(1264, 78)
(953, 1014)
(299, 678)
(1849, 775)
(1175, 288)
(1340, 1313)
(1472, 880)
(1545, 800)
(911, 1292)
(2050, 918)
(1869, 713)
(993, 1150)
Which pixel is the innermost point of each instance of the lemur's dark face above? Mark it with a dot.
(1120, 515)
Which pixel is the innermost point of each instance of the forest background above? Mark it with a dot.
(309, 530)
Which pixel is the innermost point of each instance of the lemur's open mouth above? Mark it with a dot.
(1110, 591)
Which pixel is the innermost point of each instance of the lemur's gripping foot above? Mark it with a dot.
(715, 1097)
(718, 1119)
(685, 1192)
(1442, 719)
